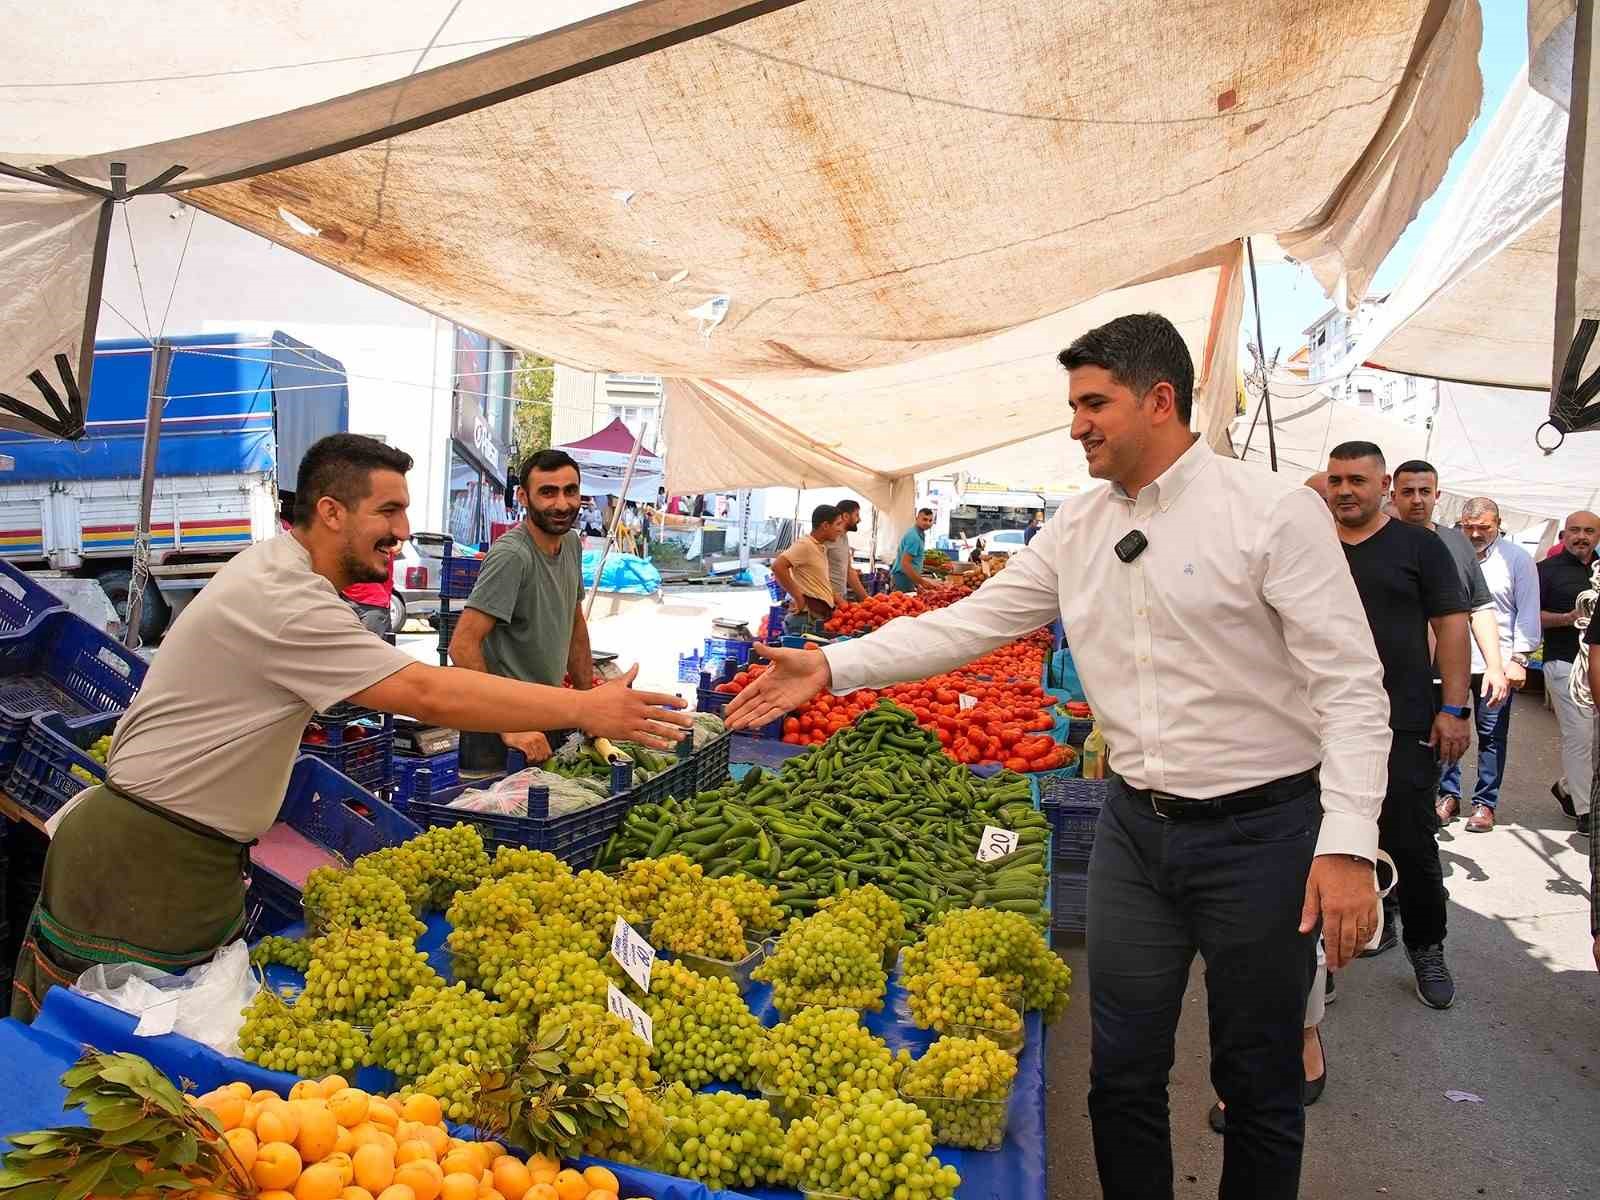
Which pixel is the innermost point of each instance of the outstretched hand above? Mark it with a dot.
(796, 676)
(614, 710)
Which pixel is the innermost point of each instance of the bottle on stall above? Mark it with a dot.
(1094, 754)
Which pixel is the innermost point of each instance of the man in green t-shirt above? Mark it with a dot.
(524, 619)
(908, 559)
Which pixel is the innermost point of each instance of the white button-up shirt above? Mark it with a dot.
(1233, 651)
(1513, 580)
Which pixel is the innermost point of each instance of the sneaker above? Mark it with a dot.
(1583, 822)
(1330, 993)
(1391, 936)
(1558, 789)
(1435, 986)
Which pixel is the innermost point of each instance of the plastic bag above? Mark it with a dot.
(508, 797)
(205, 1003)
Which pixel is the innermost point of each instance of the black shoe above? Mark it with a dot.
(1311, 1089)
(1217, 1119)
(1435, 986)
(1386, 943)
(1563, 798)
(1330, 993)
(1583, 822)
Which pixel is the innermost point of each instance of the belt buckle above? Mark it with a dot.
(1156, 799)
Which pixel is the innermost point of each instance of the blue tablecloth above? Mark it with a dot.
(32, 1059)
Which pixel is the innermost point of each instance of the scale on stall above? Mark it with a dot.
(734, 631)
(423, 741)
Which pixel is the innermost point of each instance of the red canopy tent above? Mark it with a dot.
(603, 464)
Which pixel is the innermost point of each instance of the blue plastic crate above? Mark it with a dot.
(1069, 899)
(41, 780)
(689, 666)
(457, 574)
(61, 664)
(708, 700)
(22, 601)
(444, 771)
(733, 650)
(574, 837)
(360, 749)
(775, 590)
(1072, 807)
(335, 813)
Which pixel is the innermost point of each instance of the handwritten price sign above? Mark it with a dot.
(630, 1012)
(996, 843)
(635, 955)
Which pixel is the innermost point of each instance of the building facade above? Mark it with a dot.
(1330, 339)
(585, 402)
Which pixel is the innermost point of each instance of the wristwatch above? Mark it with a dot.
(1459, 711)
(1520, 659)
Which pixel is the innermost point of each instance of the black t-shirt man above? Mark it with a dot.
(1561, 578)
(1406, 577)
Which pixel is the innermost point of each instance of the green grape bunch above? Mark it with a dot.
(99, 750)
(947, 992)
(455, 1086)
(565, 977)
(359, 974)
(603, 1049)
(722, 1139)
(872, 1146)
(294, 953)
(704, 1032)
(756, 903)
(647, 1128)
(341, 899)
(820, 1052)
(1003, 945)
(518, 860)
(483, 955)
(819, 961)
(870, 912)
(964, 1086)
(439, 1026)
(281, 1037)
(649, 883)
(693, 924)
(593, 899)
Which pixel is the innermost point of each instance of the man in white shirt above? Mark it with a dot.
(1221, 641)
(1513, 581)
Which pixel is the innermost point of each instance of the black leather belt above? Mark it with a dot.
(1180, 808)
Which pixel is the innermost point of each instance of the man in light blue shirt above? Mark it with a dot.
(1513, 581)
(908, 559)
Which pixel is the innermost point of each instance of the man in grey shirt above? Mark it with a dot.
(841, 566)
(524, 619)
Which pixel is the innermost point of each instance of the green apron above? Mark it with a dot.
(125, 881)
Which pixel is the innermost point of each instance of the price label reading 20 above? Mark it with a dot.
(635, 955)
(996, 843)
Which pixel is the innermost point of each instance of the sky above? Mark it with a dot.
(1291, 298)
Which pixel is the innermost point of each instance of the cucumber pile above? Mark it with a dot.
(876, 803)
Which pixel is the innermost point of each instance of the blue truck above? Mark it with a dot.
(240, 413)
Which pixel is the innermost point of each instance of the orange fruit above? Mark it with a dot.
(275, 1194)
(602, 1179)
(488, 1193)
(381, 1112)
(539, 1163)
(320, 1181)
(346, 1143)
(416, 1150)
(349, 1106)
(436, 1137)
(463, 1161)
(511, 1178)
(277, 1166)
(545, 1173)
(571, 1186)
(277, 1122)
(261, 1096)
(543, 1191)
(332, 1084)
(227, 1107)
(373, 1166)
(424, 1108)
(355, 1193)
(422, 1176)
(306, 1090)
(602, 1194)
(397, 1192)
(318, 1135)
(460, 1186)
(344, 1165)
(244, 1146)
(241, 1090)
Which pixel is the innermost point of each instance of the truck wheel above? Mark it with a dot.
(397, 613)
(155, 614)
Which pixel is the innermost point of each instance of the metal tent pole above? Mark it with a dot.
(160, 370)
(1261, 355)
(611, 533)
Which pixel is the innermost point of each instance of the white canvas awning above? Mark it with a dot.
(866, 186)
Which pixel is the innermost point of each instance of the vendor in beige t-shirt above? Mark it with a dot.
(151, 866)
(802, 570)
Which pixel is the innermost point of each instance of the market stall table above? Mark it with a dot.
(70, 1021)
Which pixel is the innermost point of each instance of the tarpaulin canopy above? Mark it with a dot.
(716, 190)
(602, 460)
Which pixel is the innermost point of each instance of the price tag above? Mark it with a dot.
(632, 1014)
(996, 843)
(635, 954)
(966, 701)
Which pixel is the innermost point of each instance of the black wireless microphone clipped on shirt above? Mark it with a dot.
(1130, 547)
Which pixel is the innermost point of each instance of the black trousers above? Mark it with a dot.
(1406, 833)
(1231, 888)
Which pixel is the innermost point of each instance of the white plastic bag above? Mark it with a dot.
(205, 1003)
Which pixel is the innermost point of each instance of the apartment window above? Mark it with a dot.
(1365, 395)
(1388, 397)
(1411, 387)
